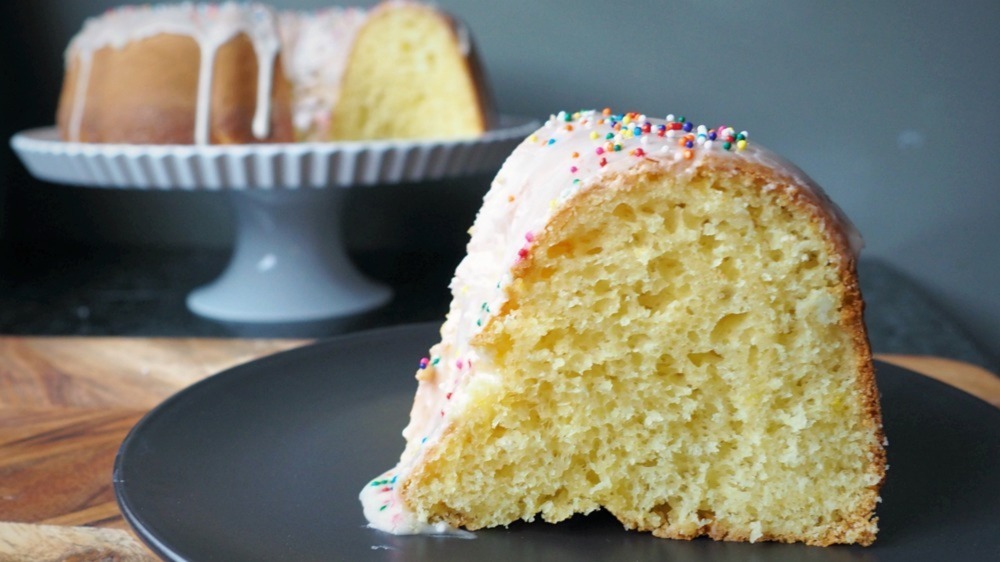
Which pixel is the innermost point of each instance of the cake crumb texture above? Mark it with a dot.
(430, 88)
(686, 351)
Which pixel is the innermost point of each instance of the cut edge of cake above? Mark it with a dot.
(478, 379)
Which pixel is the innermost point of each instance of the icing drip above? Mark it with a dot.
(262, 113)
(266, 45)
(211, 26)
(569, 153)
(80, 95)
(201, 116)
(464, 39)
(316, 49)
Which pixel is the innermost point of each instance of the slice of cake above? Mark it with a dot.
(656, 319)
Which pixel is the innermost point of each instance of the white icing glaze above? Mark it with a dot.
(211, 26)
(80, 94)
(314, 46)
(316, 50)
(266, 45)
(464, 38)
(537, 180)
(385, 512)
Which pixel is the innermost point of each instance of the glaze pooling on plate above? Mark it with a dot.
(386, 512)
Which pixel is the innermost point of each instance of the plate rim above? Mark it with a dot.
(142, 528)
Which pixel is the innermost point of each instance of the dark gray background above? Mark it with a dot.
(891, 106)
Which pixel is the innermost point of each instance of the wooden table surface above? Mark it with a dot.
(66, 404)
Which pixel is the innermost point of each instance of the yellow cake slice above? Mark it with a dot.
(412, 70)
(656, 319)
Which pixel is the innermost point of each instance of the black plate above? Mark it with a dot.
(265, 461)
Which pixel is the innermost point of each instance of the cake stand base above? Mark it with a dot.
(289, 263)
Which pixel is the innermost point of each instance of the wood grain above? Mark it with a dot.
(125, 372)
(21, 542)
(55, 464)
(66, 404)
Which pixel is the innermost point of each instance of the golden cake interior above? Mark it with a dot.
(688, 354)
(407, 62)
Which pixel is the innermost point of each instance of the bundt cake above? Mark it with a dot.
(242, 73)
(656, 319)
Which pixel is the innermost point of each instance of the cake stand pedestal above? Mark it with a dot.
(289, 261)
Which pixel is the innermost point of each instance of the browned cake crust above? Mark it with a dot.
(476, 70)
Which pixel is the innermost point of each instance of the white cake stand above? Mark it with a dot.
(289, 262)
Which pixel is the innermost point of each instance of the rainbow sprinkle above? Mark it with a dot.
(632, 134)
